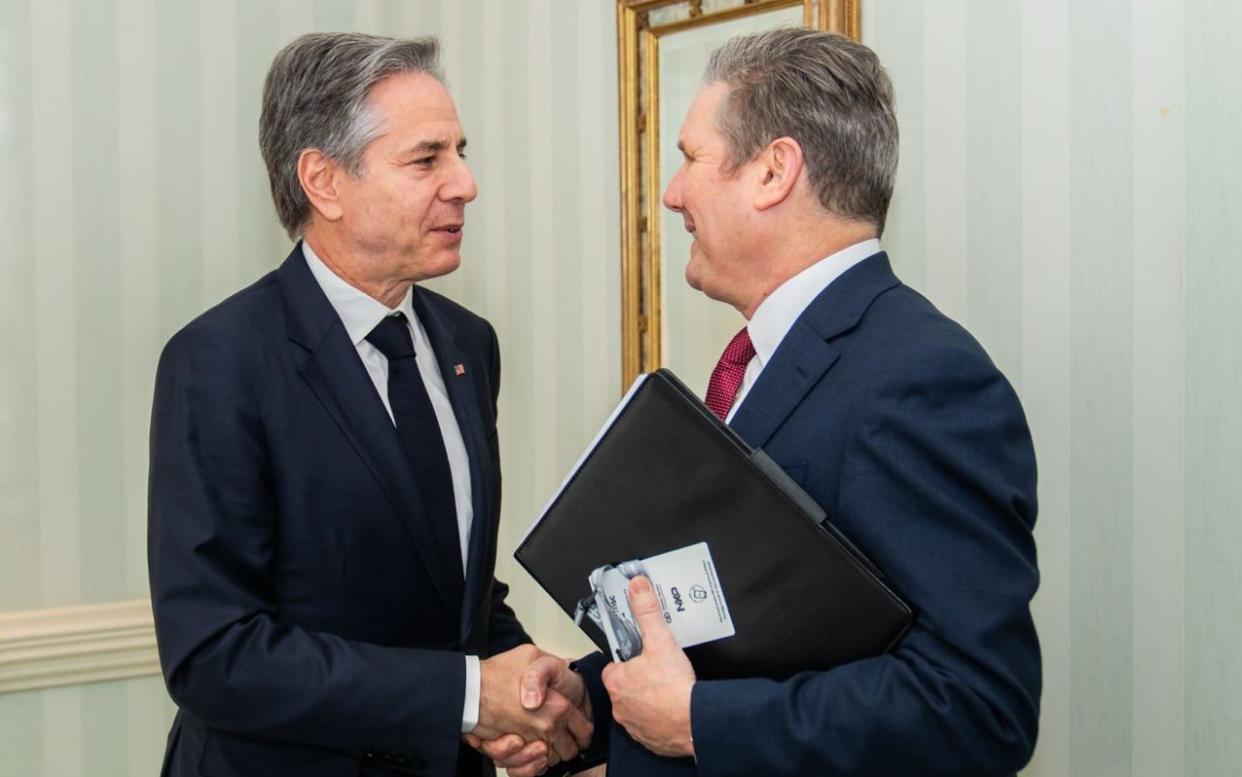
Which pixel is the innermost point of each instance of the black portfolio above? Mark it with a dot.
(665, 474)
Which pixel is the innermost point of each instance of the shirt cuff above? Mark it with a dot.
(470, 712)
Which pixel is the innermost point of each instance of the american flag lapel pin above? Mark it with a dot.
(459, 369)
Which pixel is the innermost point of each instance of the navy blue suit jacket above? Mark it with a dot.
(306, 623)
(893, 419)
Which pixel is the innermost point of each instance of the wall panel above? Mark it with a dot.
(1213, 386)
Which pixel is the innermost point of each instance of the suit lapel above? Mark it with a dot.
(463, 395)
(807, 352)
(339, 380)
(799, 362)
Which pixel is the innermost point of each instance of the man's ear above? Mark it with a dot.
(780, 165)
(319, 175)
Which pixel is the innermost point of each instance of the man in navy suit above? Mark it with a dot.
(889, 415)
(325, 481)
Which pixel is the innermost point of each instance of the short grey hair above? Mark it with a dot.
(827, 92)
(315, 96)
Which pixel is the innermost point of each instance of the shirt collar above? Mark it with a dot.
(358, 311)
(776, 315)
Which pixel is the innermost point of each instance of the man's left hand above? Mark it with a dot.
(651, 692)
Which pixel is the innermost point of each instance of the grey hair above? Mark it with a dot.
(827, 92)
(315, 96)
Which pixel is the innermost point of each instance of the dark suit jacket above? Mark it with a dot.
(307, 623)
(894, 419)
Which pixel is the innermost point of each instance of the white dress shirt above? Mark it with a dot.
(360, 313)
(776, 315)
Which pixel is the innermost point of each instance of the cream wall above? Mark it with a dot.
(1068, 189)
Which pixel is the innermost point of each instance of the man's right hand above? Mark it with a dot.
(533, 711)
(545, 687)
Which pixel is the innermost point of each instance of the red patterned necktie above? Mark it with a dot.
(727, 377)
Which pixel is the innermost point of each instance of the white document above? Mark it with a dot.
(687, 587)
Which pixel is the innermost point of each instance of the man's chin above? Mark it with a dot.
(441, 265)
(692, 276)
(696, 281)
(712, 292)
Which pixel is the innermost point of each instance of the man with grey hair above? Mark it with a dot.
(325, 483)
(887, 413)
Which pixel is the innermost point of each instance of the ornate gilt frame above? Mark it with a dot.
(638, 83)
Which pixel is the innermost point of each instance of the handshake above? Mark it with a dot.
(534, 711)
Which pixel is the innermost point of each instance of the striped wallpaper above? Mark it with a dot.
(1068, 189)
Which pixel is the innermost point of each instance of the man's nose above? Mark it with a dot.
(461, 186)
(672, 194)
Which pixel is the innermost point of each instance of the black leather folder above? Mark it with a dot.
(665, 474)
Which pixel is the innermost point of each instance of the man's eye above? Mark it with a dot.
(425, 161)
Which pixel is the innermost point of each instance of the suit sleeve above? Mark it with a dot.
(227, 658)
(938, 487)
(504, 630)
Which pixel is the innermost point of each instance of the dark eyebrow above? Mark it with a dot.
(434, 147)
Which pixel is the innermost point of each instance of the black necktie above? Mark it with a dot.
(420, 435)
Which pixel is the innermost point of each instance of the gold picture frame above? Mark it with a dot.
(641, 27)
